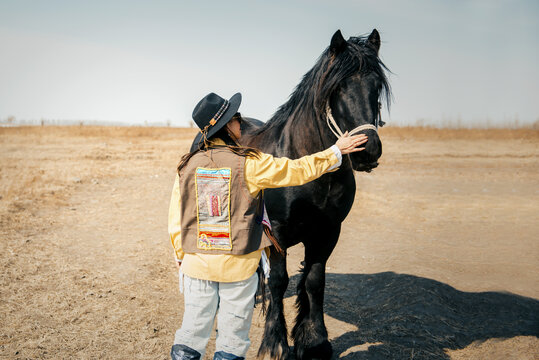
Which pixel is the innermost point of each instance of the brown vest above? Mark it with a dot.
(218, 214)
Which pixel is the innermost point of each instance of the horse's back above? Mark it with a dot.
(248, 126)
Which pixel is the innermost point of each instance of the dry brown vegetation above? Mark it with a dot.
(87, 269)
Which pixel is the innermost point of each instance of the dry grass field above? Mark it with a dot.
(439, 258)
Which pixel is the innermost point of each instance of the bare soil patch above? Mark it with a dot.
(438, 259)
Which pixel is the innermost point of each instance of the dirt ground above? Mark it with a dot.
(438, 259)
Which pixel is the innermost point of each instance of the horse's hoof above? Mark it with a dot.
(322, 351)
(280, 352)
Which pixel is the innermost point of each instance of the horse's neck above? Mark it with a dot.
(308, 134)
(300, 134)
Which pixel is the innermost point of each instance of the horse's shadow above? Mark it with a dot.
(406, 316)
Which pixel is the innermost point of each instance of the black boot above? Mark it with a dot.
(182, 352)
(221, 355)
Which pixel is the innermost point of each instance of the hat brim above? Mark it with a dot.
(233, 106)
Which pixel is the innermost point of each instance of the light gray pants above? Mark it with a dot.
(235, 302)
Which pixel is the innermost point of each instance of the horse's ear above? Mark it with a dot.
(338, 44)
(374, 40)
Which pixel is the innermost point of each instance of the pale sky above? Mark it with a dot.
(135, 61)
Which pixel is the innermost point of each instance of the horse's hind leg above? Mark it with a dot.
(309, 333)
(275, 340)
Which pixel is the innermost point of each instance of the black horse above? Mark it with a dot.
(350, 78)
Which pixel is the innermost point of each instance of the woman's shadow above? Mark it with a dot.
(412, 317)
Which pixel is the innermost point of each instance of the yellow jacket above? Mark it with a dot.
(262, 173)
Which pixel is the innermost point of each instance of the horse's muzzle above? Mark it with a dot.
(366, 167)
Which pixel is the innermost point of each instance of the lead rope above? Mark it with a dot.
(332, 124)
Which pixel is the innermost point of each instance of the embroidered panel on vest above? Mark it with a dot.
(213, 208)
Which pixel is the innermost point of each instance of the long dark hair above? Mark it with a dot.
(208, 144)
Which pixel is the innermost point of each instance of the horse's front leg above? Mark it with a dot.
(309, 333)
(275, 340)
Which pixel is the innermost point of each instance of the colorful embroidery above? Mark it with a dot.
(214, 205)
(213, 208)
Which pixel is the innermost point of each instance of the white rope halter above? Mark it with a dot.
(332, 124)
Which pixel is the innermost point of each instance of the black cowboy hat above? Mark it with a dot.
(213, 112)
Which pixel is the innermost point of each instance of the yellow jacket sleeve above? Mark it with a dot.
(272, 172)
(174, 220)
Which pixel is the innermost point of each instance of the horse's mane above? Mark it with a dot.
(311, 94)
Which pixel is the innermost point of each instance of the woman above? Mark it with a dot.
(217, 207)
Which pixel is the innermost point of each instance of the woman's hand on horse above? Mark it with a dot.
(349, 144)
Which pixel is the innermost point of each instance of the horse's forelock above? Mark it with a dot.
(335, 69)
(375, 64)
(357, 58)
